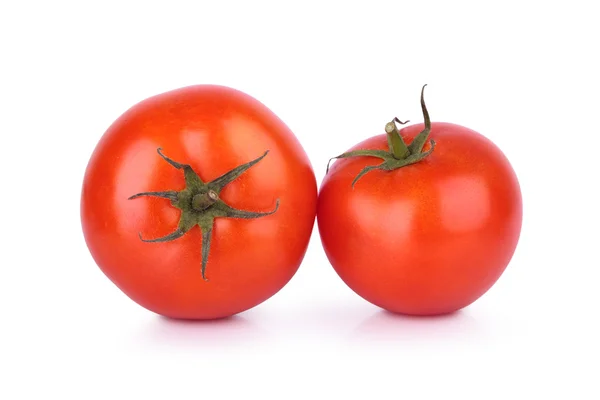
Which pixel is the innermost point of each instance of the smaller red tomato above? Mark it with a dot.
(424, 228)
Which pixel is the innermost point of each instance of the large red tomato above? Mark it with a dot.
(198, 203)
(425, 228)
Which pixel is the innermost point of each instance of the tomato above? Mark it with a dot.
(425, 228)
(198, 203)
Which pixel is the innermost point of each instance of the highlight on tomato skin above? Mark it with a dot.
(421, 229)
(198, 203)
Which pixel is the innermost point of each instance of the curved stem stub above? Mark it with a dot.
(400, 154)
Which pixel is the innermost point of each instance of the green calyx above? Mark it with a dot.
(200, 204)
(399, 154)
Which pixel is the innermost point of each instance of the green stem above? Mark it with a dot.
(397, 146)
(202, 201)
(399, 155)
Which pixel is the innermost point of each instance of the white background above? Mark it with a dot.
(522, 73)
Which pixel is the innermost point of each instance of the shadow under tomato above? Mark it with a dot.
(214, 334)
(386, 326)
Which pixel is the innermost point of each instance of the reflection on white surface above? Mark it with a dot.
(231, 331)
(386, 326)
(351, 325)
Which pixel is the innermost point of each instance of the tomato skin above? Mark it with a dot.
(428, 238)
(214, 129)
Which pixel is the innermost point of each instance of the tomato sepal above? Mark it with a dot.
(200, 204)
(399, 154)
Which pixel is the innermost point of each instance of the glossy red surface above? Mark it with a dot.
(428, 238)
(214, 129)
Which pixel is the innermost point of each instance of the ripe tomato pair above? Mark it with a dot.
(199, 203)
